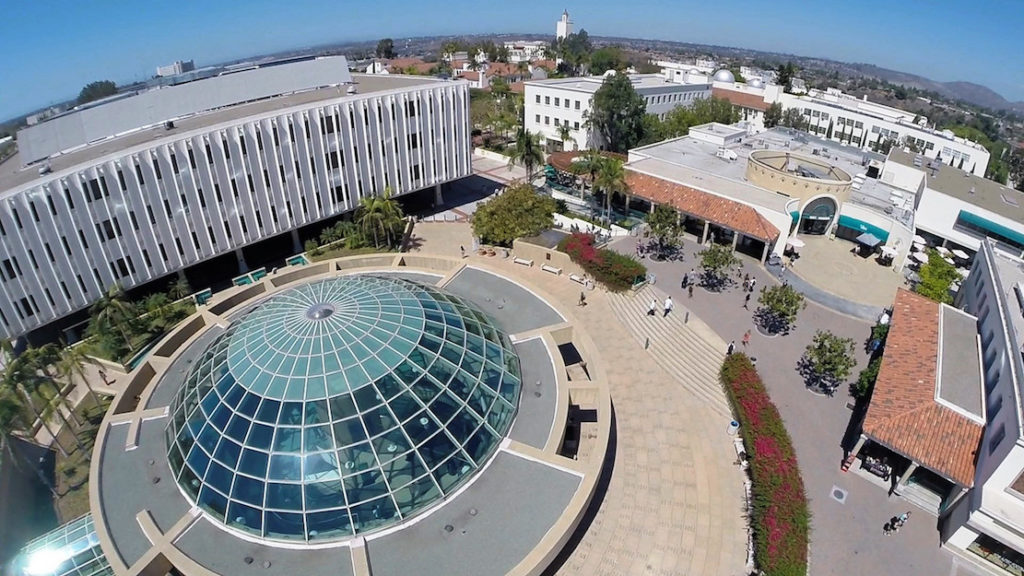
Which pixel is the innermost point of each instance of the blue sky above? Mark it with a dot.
(50, 49)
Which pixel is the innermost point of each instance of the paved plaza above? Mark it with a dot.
(832, 266)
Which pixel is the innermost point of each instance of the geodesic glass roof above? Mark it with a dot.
(72, 549)
(341, 406)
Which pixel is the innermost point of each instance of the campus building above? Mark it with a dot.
(551, 104)
(132, 190)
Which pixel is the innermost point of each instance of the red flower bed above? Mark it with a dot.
(779, 515)
(616, 271)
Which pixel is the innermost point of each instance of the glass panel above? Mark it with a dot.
(330, 524)
(284, 496)
(248, 490)
(245, 518)
(284, 525)
(285, 467)
(253, 463)
(213, 502)
(370, 515)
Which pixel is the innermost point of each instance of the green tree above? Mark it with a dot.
(607, 58)
(773, 115)
(179, 289)
(517, 212)
(386, 48)
(610, 180)
(705, 110)
(937, 276)
(114, 311)
(499, 87)
(380, 217)
(527, 153)
(827, 360)
(793, 118)
(565, 135)
(716, 261)
(72, 365)
(786, 72)
(617, 113)
(96, 90)
(664, 224)
(780, 305)
(866, 379)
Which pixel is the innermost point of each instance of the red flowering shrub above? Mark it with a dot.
(779, 514)
(616, 271)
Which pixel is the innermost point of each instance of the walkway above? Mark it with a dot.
(846, 536)
(674, 498)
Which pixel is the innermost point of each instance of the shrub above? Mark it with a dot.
(616, 271)
(779, 514)
(866, 380)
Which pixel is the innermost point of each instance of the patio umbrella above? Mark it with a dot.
(964, 272)
(889, 251)
(920, 257)
(919, 240)
(795, 242)
(913, 277)
(948, 260)
(942, 250)
(868, 239)
(918, 247)
(960, 254)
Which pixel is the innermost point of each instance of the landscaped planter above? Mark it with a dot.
(780, 518)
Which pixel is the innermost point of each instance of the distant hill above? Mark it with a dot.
(965, 91)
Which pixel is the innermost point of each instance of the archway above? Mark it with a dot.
(817, 215)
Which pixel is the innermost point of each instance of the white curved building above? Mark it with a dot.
(207, 168)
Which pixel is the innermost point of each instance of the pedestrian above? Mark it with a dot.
(583, 298)
(902, 519)
(686, 280)
(730, 348)
(668, 306)
(746, 301)
(746, 338)
(652, 307)
(690, 290)
(462, 250)
(752, 282)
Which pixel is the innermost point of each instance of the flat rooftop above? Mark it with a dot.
(695, 163)
(1011, 272)
(960, 380)
(590, 84)
(13, 175)
(966, 187)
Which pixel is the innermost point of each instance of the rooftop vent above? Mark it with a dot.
(44, 169)
(918, 160)
(1006, 198)
(169, 125)
(350, 90)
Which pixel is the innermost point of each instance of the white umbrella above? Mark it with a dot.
(960, 254)
(918, 247)
(964, 272)
(889, 251)
(920, 257)
(795, 242)
(948, 260)
(919, 240)
(942, 250)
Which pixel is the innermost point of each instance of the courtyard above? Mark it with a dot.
(833, 266)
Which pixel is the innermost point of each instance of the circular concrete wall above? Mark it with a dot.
(797, 176)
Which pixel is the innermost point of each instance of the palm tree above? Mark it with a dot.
(72, 364)
(372, 219)
(179, 289)
(393, 215)
(114, 311)
(527, 153)
(16, 373)
(611, 179)
(564, 133)
(589, 164)
(11, 419)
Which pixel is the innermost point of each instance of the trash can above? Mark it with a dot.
(733, 427)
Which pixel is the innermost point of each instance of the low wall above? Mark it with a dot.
(490, 155)
(566, 222)
(550, 256)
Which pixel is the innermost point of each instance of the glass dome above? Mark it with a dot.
(341, 406)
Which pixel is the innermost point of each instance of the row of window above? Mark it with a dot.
(672, 98)
(558, 122)
(559, 102)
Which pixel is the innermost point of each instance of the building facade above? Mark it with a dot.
(563, 27)
(178, 67)
(551, 104)
(161, 201)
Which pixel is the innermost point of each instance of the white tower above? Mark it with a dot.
(563, 27)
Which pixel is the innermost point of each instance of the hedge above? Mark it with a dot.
(616, 271)
(779, 514)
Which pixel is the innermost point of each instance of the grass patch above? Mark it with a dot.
(72, 472)
(342, 251)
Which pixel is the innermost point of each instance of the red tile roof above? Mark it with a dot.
(741, 99)
(470, 75)
(722, 211)
(399, 65)
(903, 414)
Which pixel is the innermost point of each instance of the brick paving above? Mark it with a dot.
(846, 537)
(674, 499)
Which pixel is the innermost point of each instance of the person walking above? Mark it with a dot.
(746, 301)
(902, 519)
(730, 348)
(686, 280)
(752, 282)
(462, 250)
(746, 338)
(668, 306)
(654, 306)
(583, 299)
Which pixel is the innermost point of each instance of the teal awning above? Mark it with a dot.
(795, 215)
(861, 226)
(990, 226)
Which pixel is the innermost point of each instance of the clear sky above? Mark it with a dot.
(49, 49)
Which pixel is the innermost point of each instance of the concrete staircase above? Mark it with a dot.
(690, 352)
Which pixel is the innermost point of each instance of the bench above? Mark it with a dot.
(577, 278)
(553, 269)
(523, 261)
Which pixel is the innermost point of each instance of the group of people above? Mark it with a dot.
(895, 523)
(652, 310)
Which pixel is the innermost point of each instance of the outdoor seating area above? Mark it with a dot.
(829, 265)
